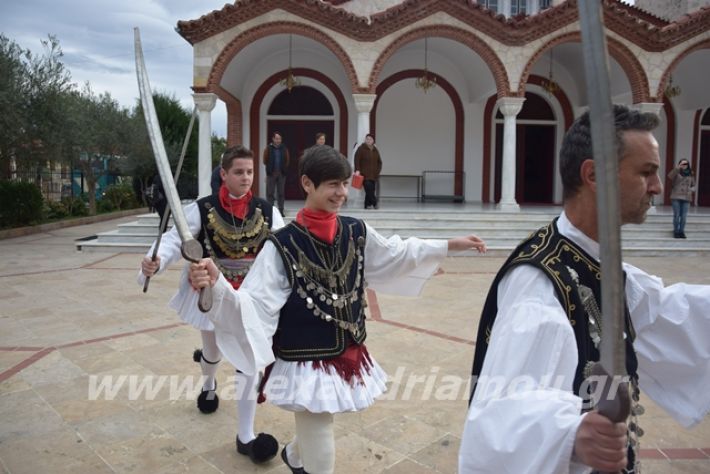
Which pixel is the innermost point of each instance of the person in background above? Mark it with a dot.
(276, 160)
(682, 188)
(368, 163)
(320, 138)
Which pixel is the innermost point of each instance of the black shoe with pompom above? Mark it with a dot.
(261, 449)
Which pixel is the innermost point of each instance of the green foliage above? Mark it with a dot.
(75, 206)
(21, 204)
(54, 210)
(174, 121)
(32, 98)
(118, 197)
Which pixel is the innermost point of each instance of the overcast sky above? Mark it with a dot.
(97, 39)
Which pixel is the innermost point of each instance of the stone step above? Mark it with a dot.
(501, 230)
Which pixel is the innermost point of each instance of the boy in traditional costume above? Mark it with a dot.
(305, 297)
(231, 225)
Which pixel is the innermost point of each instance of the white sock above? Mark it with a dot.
(210, 358)
(246, 406)
(292, 453)
(316, 441)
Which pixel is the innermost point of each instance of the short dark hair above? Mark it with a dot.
(371, 136)
(234, 152)
(276, 133)
(577, 143)
(320, 134)
(324, 163)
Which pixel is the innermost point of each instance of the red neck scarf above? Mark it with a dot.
(322, 224)
(238, 207)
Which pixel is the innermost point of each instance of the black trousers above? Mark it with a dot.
(370, 198)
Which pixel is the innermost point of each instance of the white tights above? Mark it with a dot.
(245, 387)
(314, 443)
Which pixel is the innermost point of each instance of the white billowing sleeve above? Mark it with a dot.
(245, 320)
(672, 344)
(170, 245)
(277, 220)
(524, 416)
(401, 267)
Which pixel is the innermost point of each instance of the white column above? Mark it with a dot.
(509, 107)
(363, 105)
(646, 107)
(204, 102)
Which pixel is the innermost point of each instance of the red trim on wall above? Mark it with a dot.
(670, 143)
(486, 158)
(248, 37)
(467, 38)
(255, 122)
(665, 78)
(696, 139)
(458, 112)
(562, 99)
(620, 52)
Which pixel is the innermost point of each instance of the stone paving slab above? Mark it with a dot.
(68, 320)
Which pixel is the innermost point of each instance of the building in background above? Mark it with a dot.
(472, 98)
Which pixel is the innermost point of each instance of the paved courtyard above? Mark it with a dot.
(70, 320)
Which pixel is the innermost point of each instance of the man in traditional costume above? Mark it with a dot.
(305, 297)
(231, 225)
(540, 330)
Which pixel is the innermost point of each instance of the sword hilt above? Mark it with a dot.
(192, 252)
(615, 401)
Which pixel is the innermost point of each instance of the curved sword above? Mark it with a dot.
(191, 248)
(166, 215)
(612, 364)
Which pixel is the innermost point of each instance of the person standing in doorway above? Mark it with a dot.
(276, 159)
(682, 188)
(369, 164)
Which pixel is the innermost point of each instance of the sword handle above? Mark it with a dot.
(161, 229)
(615, 401)
(192, 252)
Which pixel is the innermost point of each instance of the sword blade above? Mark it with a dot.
(606, 167)
(614, 401)
(191, 249)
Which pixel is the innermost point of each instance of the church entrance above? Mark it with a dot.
(535, 152)
(298, 115)
(297, 136)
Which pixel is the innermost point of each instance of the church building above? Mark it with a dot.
(468, 101)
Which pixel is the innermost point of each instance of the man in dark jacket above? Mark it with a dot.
(369, 164)
(276, 159)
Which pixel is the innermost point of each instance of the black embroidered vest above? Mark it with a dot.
(563, 262)
(570, 269)
(233, 243)
(325, 311)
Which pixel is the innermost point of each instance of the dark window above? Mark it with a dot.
(518, 7)
(706, 118)
(491, 4)
(302, 100)
(544, 4)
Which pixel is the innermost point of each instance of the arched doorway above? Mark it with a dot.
(535, 152)
(702, 171)
(298, 115)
